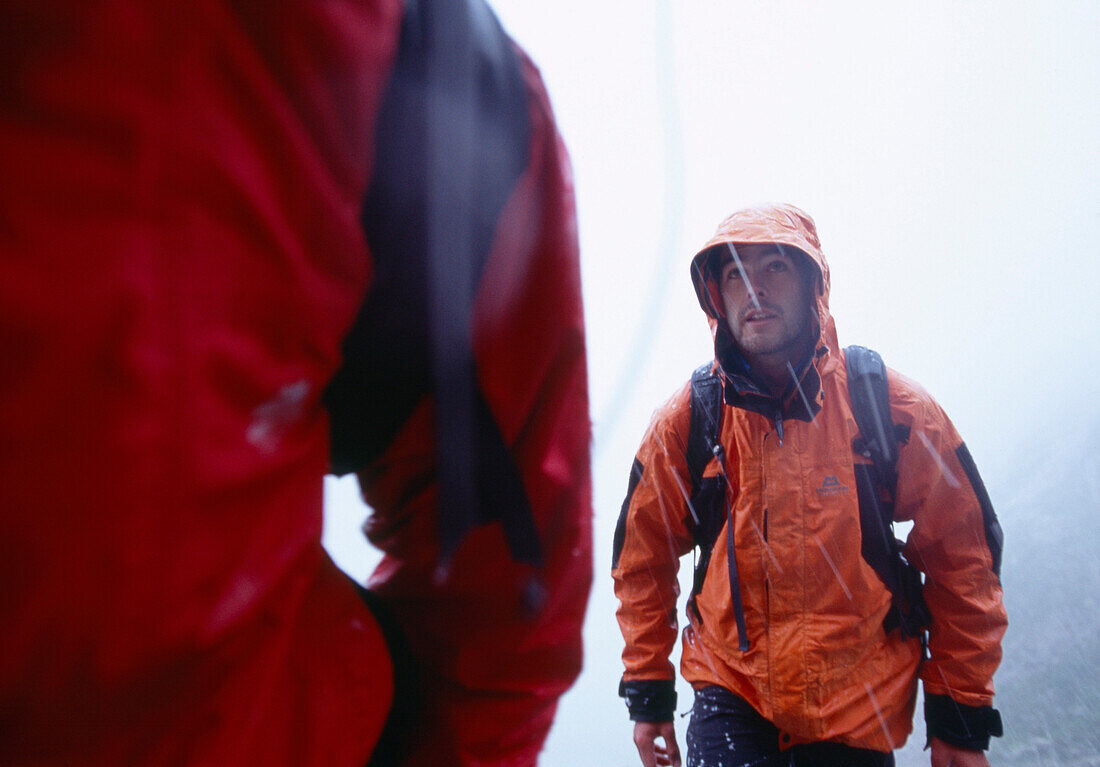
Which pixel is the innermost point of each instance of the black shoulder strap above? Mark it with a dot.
(878, 439)
(706, 413)
(430, 216)
(870, 395)
(708, 501)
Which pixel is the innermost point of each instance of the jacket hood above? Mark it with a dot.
(778, 223)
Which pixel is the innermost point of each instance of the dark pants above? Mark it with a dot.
(725, 731)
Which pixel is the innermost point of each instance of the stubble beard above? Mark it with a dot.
(761, 344)
(786, 342)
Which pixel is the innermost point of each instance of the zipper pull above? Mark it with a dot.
(779, 427)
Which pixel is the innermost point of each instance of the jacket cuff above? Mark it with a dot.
(961, 725)
(649, 700)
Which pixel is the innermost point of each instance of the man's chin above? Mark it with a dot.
(762, 346)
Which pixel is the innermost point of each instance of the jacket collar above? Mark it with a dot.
(801, 401)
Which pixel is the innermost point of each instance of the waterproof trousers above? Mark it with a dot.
(725, 731)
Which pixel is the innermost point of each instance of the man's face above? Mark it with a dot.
(767, 302)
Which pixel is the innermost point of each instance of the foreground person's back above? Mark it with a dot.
(182, 257)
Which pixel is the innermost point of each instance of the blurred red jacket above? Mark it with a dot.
(183, 256)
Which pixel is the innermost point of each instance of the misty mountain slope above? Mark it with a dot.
(1047, 688)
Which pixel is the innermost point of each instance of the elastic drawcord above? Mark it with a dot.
(735, 586)
(731, 558)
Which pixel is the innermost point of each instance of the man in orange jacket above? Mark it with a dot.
(786, 646)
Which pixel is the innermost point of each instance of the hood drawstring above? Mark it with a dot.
(731, 559)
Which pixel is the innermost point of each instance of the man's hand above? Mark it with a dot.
(645, 738)
(943, 755)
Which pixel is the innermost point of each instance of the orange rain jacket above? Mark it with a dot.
(819, 666)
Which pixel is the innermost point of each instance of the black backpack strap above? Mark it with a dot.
(707, 514)
(430, 217)
(706, 415)
(708, 500)
(876, 485)
(870, 395)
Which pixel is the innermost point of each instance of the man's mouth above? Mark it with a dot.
(760, 316)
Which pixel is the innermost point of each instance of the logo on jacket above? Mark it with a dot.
(832, 486)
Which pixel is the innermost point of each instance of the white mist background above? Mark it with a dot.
(949, 155)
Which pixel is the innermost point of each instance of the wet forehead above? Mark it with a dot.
(749, 253)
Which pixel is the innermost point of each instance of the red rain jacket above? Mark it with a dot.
(181, 257)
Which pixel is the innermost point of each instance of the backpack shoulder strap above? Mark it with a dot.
(870, 395)
(708, 497)
(878, 440)
(706, 414)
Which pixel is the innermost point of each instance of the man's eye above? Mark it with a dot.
(777, 266)
(733, 274)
